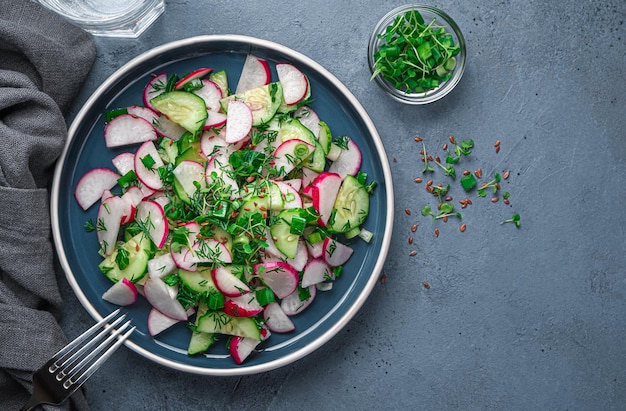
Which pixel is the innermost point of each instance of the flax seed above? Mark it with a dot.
(478, 173)
(413, 253)
(494, 199)
(506, 174)
(436, 232)
(407, 211)
(448, 198)
(452, 140)
(463, 227)
(414, 228)
(410, 240)
(417, 139)
(466, 172)
(426, 285)
(497, 143)
(497, 149)
(418, 180)
(445, 146)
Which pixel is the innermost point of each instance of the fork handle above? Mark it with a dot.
(31, 404)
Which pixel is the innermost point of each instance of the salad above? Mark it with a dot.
(229, 210)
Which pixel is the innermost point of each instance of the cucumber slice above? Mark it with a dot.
(222, 323)
(351, 206)
(199, 341)
(137, 251)
(221, 79)
(263, 101)
(183, 108)
(169, 150)
(325, 137)
(262, 197)
(291, 128)
(285, 241)
(199, 281)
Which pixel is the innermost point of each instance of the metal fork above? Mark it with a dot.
(69, 368)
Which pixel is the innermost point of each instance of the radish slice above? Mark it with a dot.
(143, 112)
(198, 73)
(241, 347)
(255, 73)
(242, 306)
(148, 176)
(279, 276)
(206, 250)
(154, 87)
(239, 120)
(325, 188)
(308, 176)
(214, 119)
(211, 94)
(216, 170)
(122, 293)
(292, 304)
(133, 195)
(276, 319)
(151, 214)
(349, 161)
(336, 253)
(161, 265)
(228, 283)
(93, 184)
(167, 128)
(309, 119)
(316, 271)
(110, 216)
(126, 129)
(291, 153)
(290, 195)
(294, 82)
(124, 162)
(157, 294)
(159, 322)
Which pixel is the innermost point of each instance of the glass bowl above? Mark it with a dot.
(441, 19)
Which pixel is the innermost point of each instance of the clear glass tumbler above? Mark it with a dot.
(109, 18)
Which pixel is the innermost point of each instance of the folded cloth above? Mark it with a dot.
(43, 63)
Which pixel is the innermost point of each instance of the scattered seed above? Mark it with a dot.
(407, 211)
(466, 172)
(445, 146)
(418, 180)
(448, 198)
(414, 228)
(429, 183)
(494, 200)
(463, 227)
(413, 253)
(438, 159)
(506, 174)
(430, 158)
(410, 240)
(436, 232)
(444, 218)
(497, 149)
(417, 139)
(426, 285)
(506, 201)
(478, 173)
(497, 143)
(395, 160)
(452, 140)
(383, 278)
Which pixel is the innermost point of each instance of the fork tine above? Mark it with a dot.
(79, 340)
(77, 362)
(89, 371)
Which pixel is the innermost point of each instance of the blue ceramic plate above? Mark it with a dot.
(85, 149)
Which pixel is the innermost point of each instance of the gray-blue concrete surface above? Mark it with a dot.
(492, 318)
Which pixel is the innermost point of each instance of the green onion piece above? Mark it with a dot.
(264, 296)
(111, 114)
(297, 225)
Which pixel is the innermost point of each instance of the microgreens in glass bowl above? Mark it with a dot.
(416, 54)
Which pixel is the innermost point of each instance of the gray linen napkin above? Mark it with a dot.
(43, 63)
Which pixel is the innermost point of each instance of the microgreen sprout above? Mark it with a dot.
(445, 210)
(515, 220)
(493, 184)
(425, 159)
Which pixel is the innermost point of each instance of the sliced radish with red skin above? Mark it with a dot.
(161, 198)
(228, 283)
(129, 211)
(188, 173)
(212, 143)
(241, 347)
(294, 82)
(290, 195)
(167, 128)
(349, 161)
(324, 193)
(315, 272)
(276, 319)
(153, 88)
(134, 195)
(106, 194)
(298, 262)
(315, 249)
(336, 253)
(295, 183)
(197, 73)
(149, 177)
(255, 73)
(110, 216)
(159, 322)
(126, 129)
(123, 292)
(309, 119)
(214, 119)
(242, 306)
(211, 94)
(143, 112)
(159, 297)
(239, 120)
(124, 162)
(161, 265)
(292, 304)
(206, 250)
(308, 176)
(151, 214)
(279, 276)
(291, 153)
(92, 185)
